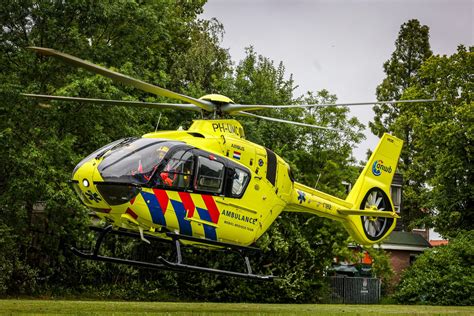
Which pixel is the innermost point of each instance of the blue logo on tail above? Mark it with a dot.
(378, 167)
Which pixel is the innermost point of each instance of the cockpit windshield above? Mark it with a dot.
(101, 151)
(134, 162)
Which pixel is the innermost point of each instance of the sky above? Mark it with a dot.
(338, 45)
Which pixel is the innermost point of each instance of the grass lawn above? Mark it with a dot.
(52, 307)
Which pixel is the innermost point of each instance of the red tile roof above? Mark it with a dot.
(435, 243)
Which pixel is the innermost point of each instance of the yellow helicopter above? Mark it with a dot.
(210, 187)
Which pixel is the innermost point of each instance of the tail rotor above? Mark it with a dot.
(376, 227)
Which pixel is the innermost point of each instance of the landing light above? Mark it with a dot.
(85, 183)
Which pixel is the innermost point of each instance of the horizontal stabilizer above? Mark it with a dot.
(373, 213)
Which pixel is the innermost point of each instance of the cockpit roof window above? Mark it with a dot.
(103, 150)
(115, 146)
(135, 162)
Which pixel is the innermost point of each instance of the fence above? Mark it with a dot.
(351, 290)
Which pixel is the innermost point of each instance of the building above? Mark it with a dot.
(436, 239)
(403, 248)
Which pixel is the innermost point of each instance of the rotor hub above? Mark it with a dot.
(217, 98)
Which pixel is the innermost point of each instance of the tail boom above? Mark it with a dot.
(309, 200)
(367, 213)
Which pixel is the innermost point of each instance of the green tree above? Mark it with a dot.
(442, 151)
(412, 48)
(326, 161)
(297, 247)
(204, 67)
(40, 146)
(258, 81)
(441, 275)
(161, 42)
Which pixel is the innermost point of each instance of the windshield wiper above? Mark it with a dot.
(126, 141)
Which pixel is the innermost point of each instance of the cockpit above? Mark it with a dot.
(136, 161)
(131, 163)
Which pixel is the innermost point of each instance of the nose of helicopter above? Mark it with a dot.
(83, 180)
(107, 200)
(108, 180)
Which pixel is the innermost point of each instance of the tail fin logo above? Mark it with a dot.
(378, 167)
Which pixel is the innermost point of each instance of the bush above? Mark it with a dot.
(441, 275)
(15, 275)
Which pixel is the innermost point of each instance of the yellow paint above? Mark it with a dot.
(218, 128)
(243, 220)
(140, 208)
(217, 98)
(373, 213)
(322, 204)
(200, 221)
(128, 217)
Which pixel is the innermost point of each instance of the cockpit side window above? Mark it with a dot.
(177, 172)
(240, 180)
(210, 175)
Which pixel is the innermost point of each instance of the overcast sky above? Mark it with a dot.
(338, 45)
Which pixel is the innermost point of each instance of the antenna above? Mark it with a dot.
(317, 181)
(158, 123)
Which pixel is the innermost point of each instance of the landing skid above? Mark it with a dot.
(176, 265)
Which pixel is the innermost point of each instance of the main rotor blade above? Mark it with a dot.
(151, 105)
(203, 104)
(249, 107)
(289, 122)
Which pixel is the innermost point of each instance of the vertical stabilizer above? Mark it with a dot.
(372, 192)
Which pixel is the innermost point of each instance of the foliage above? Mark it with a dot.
(16, 275)
(328, 152)
(161, 42)
(41, 144)
(440, 172)
(381, 267)
(412, 48)
(441, 275)
(436, 159)
(442, 163)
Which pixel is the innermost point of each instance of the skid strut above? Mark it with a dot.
(178, 264)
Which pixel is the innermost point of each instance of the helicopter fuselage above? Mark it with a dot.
(207, 182)
(209, 186)
(250, 189)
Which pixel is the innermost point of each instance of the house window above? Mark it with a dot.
(210, 175)
(396, 193)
